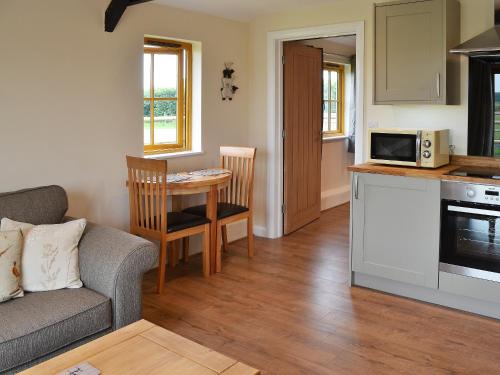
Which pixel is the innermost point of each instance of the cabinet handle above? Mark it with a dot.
(438, 84)
(356, 195)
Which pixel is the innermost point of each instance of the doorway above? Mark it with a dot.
(275, 106)
(319, 78)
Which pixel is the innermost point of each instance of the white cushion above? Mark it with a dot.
(11, 244)
(50, 254)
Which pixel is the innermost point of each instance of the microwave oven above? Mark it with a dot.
(414, 148)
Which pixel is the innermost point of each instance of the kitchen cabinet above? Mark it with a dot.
(395, 228)
(412, 62)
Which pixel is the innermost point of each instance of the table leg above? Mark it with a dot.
(176, 206)
(212, 215)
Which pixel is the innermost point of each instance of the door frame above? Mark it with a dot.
(275, 41)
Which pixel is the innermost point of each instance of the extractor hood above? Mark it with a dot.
(486, 43)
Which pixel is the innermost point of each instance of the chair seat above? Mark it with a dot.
(177, 221)
(223, 210)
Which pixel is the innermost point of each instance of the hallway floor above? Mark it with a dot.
(290, 311)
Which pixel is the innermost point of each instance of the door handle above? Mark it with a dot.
(476, 211)
(438, 85)
(356, 194)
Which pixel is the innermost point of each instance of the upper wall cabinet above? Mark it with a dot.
(412, 62)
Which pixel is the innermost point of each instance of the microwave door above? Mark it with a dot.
(395, 147)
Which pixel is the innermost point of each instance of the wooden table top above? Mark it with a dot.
(198, 181)
(194, 182)
(145, 348)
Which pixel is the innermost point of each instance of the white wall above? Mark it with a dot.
(70, 93)
(71, 96)
(477, 16)
(335, 182)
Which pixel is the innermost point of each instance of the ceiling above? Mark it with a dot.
(241, 10)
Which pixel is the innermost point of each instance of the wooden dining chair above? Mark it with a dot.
(150, 218)
(235, 200)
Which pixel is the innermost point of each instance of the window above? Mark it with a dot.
(167, 96)
(333, 100)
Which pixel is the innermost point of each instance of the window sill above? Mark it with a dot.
(333, 139)
(172, 155)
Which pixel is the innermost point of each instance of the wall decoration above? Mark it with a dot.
(228, 88)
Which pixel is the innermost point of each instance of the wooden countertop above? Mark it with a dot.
(437, 173)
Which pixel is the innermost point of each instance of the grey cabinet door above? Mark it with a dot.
(410, 56)
(395, 228)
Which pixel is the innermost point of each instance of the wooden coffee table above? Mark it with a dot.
(145, 348)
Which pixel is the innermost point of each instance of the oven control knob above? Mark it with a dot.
(470, 193)
(426, 154)
(427, 143)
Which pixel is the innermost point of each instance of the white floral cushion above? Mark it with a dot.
(11, 245)
(50, 254)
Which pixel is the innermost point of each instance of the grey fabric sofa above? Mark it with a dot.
(40, 325)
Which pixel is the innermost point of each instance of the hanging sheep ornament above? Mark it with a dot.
(228, 88)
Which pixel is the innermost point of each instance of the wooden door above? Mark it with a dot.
(409, 53)
(302, 112)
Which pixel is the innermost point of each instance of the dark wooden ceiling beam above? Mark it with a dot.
(115, 11)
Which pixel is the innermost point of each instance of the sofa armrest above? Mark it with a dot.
(112, 262)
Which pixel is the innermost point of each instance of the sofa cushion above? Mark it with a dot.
(11, 246)
(50, 254)
(41, 205)
(43, 322)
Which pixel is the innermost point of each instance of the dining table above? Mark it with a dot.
(204, 181)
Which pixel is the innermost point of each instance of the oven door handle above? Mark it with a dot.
(477, 211)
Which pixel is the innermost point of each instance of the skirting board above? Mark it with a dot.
(335, 197)
(434, 296)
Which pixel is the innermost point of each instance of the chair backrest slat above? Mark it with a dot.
(147, 195)
(244, 182)
(237, 178)
(146, 198)
(157, 194)
(240, 160)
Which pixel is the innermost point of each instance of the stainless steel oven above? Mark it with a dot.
(470, 230)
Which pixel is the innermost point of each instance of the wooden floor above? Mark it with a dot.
(290, 311)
